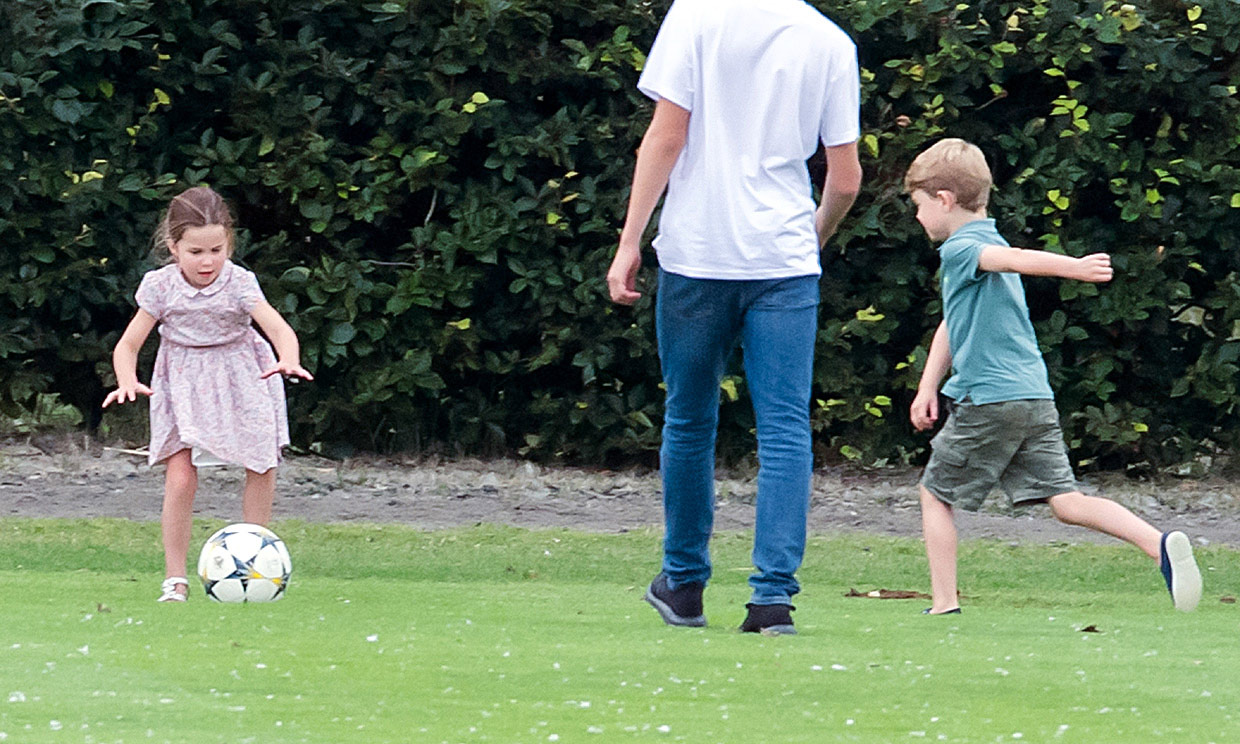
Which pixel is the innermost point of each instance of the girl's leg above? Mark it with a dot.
(258, 496)
(180, 485)
(1108, 517)
(939, 530)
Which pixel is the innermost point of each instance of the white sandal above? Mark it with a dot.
(169, 589)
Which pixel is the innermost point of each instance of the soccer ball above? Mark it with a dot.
(244, 563)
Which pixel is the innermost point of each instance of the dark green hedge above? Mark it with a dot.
(430, 192)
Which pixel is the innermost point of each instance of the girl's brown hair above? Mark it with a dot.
(196, 207)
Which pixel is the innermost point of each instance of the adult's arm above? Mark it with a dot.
(839, 189)
(661, 146)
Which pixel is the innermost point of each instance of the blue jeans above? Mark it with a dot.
(698, 322)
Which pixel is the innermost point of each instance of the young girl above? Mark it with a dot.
(216, 395)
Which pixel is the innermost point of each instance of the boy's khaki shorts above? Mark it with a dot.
(1016, 445)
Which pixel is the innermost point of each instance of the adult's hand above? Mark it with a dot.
(622, 276)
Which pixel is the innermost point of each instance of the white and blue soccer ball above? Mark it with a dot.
(244, 563)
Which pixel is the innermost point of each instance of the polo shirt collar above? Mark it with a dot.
(214, 287)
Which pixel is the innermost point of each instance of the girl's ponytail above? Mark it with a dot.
(197, 207)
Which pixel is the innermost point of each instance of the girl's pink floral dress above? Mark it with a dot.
(206, 388)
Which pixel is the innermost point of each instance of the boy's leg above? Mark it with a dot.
(1172, 550)
(696, 332)
(939, 530)
(1040, 470)
(778, 337)
(258, 496)
(974, 446)
(1041, 467)
(177, 517)
(1108, 517)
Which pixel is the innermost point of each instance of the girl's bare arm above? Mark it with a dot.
(284, 338)
(125, 359)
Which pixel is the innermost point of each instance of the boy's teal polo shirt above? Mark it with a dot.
(995, 355)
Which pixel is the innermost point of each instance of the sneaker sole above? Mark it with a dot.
(669, 615)
(778, 630)
(1185, 576)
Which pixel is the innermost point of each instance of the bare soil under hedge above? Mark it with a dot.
(70, 476)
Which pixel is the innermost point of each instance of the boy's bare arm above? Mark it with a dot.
(1095, 267)
(839, 190)
(925, 408)
(661, 146)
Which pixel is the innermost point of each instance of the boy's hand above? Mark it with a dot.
(925, 409)
(622, 276)
(126, 394)
(1096, 267)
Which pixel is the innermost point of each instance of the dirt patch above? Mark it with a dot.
(68, 476)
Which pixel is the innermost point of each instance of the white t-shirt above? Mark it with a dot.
(764, 82)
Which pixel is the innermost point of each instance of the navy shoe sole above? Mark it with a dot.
(669, 615)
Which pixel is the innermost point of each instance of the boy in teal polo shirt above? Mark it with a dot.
(1002, 428)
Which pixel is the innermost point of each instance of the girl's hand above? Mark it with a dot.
(127, 394)
(288, 369)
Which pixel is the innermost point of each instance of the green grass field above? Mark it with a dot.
(493, 634)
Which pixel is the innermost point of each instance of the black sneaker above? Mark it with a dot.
(679, 606)
(769, 619)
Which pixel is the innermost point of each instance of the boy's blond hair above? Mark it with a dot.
(952, 165)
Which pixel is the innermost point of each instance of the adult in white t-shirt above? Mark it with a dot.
(744, 90)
